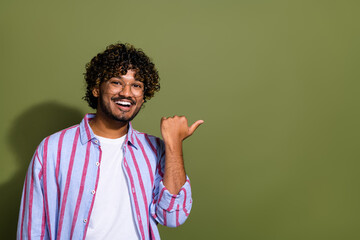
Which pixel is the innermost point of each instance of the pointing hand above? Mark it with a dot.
(175, 129)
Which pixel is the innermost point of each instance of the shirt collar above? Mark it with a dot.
(86, 133)
(131, 136)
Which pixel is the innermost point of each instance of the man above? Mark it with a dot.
(102, 179)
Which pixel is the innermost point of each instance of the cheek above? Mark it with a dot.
(105, 91)
(141, 102)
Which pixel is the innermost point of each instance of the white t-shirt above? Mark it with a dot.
(112, 217)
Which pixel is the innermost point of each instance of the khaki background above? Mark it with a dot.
(277, 83)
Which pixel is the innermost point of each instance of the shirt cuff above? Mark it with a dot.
(172, 202)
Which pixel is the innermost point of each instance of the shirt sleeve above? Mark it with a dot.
(31, 222)
(168, 209)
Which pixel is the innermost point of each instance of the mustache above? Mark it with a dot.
(121, 98)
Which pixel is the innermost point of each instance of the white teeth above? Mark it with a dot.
(123, 103)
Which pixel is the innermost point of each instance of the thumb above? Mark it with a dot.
(194, 126)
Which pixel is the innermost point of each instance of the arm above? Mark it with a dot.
(31, 222)
(172, 207)
(174, 131)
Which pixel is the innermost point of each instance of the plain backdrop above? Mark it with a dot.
(277, 83)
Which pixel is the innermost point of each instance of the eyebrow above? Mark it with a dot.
(119, 77)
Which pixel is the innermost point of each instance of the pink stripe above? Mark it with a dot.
(40, 172)
(67, 184)
(164, 215)
(159, 170)
(184, 203)
(141, 184)
(171, 205)
(151, 145)
(132, 138)
(161, 173)
(43, 224)
(87, 128)
(135, 198)
(161, 194)
(37, 156)
(25, 192)
(45, 182)
(31, 196)
(81, 190)
(159, 165)
(151, 232)
(177, 215)
(58, 164)
(93, 200)
(23, 210)
(147, 161)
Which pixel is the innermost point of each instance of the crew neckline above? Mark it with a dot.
(111, 140)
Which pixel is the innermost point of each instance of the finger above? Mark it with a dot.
(195, 125)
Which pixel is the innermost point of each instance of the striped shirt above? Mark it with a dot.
(61, 182)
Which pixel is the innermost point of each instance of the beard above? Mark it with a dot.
(106, 109)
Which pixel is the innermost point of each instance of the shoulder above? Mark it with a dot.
(148, 137)
(51, 142)
(154, 143)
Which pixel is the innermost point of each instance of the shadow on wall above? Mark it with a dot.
(27, 131)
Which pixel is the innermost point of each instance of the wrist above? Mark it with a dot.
(173, 148)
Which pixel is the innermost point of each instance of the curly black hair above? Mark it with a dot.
(116, 60)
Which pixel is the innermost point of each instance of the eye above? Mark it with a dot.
(117, 83)
(138, 86)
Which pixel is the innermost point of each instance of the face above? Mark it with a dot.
(120, 98)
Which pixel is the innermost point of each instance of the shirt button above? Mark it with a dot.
(93, 191)
(133, 190)
(97, 163)
(85, 220)
(96, 141)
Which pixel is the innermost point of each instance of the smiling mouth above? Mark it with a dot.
(123, 103)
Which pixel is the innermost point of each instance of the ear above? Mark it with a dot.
(95, 91)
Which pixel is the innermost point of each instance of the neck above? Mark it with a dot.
(105, 127)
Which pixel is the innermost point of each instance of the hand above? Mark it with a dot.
(175, 129)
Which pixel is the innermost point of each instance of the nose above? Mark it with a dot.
(126, 90)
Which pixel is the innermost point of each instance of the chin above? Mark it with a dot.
(123, 117)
